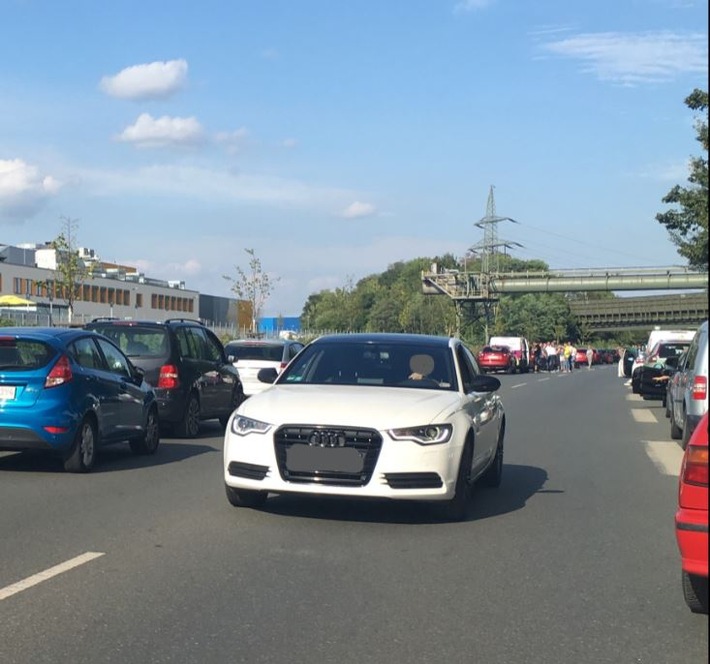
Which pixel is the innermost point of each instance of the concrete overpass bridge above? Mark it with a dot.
(475, 293)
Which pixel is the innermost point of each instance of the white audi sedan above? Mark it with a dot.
(390, 416)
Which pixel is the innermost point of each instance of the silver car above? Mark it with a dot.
(688, 393)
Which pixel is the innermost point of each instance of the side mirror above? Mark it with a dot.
(484, 383)
(138, 374)
(232, 359)
(267, 375)
(672, 362)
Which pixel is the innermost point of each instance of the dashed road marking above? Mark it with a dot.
(512, 387)
(542, 379)
(643, 416)
(47, 574)
(666, 456)
(634, 397)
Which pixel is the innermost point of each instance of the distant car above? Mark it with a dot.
(496, 358)
(688, 395)
(186, 364)
(649, 379)
(388, 416)
(249, 356)
(70, 392)
(691, 519)
(580, 358)
(519, 347)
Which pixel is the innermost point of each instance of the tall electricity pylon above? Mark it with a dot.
(489, 248)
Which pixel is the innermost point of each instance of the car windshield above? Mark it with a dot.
(379, 364)
(137, 341)
(251, 351)
(496, 349)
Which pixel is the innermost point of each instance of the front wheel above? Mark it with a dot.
(245, 497)
(82, 456)
(236, 401)
(456, 508)
(148, 443)
(494, 473)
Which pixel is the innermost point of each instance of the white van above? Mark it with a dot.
(668, 335)
(520, 348)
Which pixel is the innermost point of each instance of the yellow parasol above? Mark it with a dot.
(14, 301)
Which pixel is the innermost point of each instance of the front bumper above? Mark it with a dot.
(403, 470)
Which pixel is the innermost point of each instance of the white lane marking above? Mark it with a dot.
(643, 416)
(33, 580)
(512, 387)
(666, 456)
(541, 380)
(634, 397)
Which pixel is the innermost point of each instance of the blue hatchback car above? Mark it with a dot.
(71, 391)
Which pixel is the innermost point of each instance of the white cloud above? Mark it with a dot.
(155, 80)
(465, 6)
(358, 210)
(289, 143)
(672, 172)
(233, 140)
(23, 189)
(208, 184)
(631, 59)
(165, 131)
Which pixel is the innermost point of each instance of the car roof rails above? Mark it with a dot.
(102, 319)
(184, 320)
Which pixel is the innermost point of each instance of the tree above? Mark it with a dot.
(254, 286)
(688, 225)
(70, 271)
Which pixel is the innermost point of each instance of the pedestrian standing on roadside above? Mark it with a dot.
(590, 356)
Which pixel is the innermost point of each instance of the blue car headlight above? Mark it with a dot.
(243, 426)
(427, 434)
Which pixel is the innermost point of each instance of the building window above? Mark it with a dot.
(139, 300)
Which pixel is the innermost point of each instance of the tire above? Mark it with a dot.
(82, 456)
(685, 434)
(148, 443)
(695, 592)
(456, 508)
(189, 426)
(236, 401)
(494, 473)
(245, 497)
(676, 431)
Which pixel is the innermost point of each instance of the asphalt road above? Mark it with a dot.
(572, 559)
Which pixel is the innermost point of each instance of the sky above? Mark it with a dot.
(334, 138)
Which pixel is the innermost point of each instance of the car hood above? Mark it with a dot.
(346, 405)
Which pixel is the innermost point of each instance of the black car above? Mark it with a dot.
(653, 375)
(186, 364)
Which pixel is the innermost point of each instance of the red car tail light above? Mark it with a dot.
(168, 378)
(700, 388)
(695, 466)
(61, 373)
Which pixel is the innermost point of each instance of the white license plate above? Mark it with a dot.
(7, 392)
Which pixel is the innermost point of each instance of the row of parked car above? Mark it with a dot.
(74, 390)
(674, 370)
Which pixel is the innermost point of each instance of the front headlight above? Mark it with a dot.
(428, 434)
(243, 426)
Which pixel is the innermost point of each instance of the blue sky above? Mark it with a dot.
(337, 137)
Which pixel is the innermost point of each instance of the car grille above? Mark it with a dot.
(413, 480)
(250, 471)
(329, 455)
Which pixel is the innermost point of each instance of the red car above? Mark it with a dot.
(691, 519)
(496, 358)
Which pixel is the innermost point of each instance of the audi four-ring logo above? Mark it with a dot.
(325, 438)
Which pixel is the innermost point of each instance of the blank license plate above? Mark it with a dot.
(7, 392)
(305, 458)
